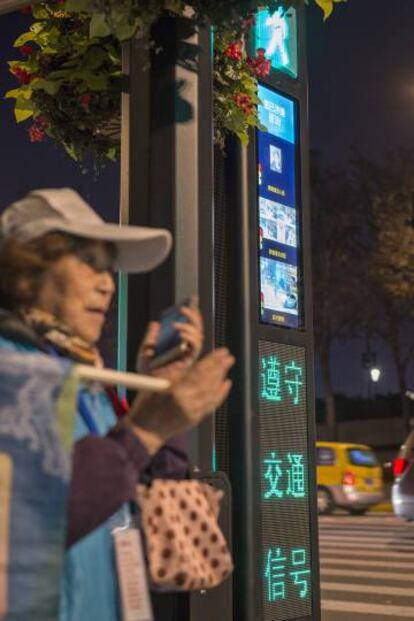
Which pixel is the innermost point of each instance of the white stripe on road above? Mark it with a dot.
(409, 542)
(367, 531)
(367, 588)
(356, 562)
(378, 575)
(359, 549)
(368, 609)
(332, 550)
(344, 519)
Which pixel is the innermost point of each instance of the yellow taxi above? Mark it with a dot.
(348, 477)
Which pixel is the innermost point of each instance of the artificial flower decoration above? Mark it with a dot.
(70, 79)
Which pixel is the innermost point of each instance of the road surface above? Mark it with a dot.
(367, 568)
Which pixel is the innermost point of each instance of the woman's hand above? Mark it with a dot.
(155, 418)
(191, 334)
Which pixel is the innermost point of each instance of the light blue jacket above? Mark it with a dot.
(89, 586)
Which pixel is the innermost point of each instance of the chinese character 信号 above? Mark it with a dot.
(271, 379)
(275, 573)
(296, 476)
(293, 380)
(273, 474)
(300, 576)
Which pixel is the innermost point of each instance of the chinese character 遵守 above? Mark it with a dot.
(294, 383)
(271, 379)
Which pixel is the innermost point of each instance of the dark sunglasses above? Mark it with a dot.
(99, 257)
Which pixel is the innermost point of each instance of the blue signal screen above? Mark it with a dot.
(277, 150)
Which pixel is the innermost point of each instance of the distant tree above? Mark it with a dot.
(338, 245)
(386, 193)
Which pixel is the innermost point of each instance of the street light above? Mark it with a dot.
(375, 374)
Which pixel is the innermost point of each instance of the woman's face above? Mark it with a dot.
(78, 288)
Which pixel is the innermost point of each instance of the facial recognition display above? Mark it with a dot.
(279, 237)
(276, 34)
(285, 550)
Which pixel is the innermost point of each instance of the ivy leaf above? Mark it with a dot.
(78, 6)
(71, 151)
(243, 137)
(39, 12)
(98, 26)
(95, 57)
(175, 6)
(125, 29)
(327, 6)
(19, 93)
(23, 110)
(59, 73)
(24, 38)
(111, 154)
(51, 87)
(96, 82)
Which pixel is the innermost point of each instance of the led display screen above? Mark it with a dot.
(276, 34)
(285, 551)
(279, 239)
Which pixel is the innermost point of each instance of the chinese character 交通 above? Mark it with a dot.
(296, 476)
(273, 474)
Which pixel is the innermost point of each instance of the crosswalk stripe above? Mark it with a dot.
(377, 575)
(367, 588)
(329, 550)
(407, 542)
(368, 609)
(387, 532)
(391, 546)
(365, 563)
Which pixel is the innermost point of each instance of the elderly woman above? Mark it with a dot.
(57, 259)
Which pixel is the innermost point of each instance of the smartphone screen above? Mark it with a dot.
(169, 337)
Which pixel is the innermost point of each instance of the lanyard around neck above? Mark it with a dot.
(86, 414)
(83, 406)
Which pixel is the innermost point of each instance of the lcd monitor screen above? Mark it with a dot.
(279, 240)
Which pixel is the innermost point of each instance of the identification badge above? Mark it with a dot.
(132, 576)
(6, 472)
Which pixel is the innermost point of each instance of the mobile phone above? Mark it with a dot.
(169, 345)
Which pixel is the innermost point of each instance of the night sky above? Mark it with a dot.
(361, 78)
(361, 72)
(25, 166)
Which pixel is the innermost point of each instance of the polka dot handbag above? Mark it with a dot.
(185, 547)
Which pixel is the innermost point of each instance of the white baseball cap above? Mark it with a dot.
(139, 249)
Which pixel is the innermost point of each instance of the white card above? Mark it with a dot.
(132, 575)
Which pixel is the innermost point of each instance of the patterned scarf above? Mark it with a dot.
(57, 334)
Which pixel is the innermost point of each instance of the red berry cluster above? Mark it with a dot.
(85, 100)
(26, 10)
(22, 74)
(26, 50)
(234, 50)
(260, 65)
(37, 130)
(244, 102)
